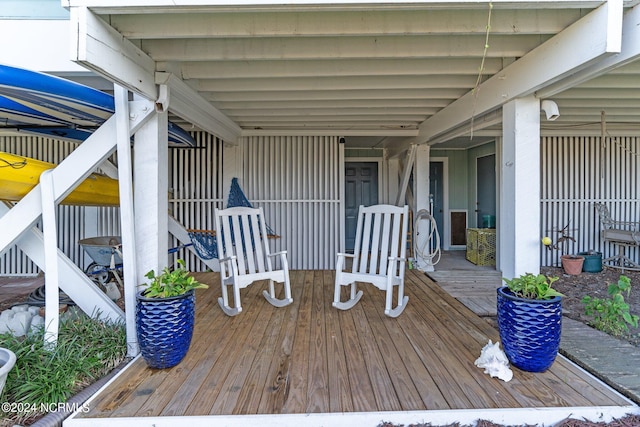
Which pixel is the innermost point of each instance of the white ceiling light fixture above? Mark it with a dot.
(551, 109)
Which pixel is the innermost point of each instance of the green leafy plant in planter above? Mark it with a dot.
(171, 283)
(165, 316)
(533, 286)
(530, 321)
(612, 315)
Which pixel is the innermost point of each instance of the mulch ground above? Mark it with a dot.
(575, 287)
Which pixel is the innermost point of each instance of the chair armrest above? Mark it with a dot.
(227, 259)
(346, 255)
(278, 253)
(632, 226)
(341, 260)
(231, 269)
(396, 258)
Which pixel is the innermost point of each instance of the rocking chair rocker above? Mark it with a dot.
(378, 258)
(243, 247)
(621, 233)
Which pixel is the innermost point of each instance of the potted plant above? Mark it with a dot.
(530, 321)
(165, 314)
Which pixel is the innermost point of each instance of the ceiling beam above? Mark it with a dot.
(334, 67)
(375, 22)
(599, 94)
(338, 47)
(630, 52)
(278, 84)
(331, 104)
(337, 95)
(100, 48)
(331, 132)
(593, 37)
(479, 123)
(191, 106)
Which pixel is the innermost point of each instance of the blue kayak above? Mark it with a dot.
(30, 97)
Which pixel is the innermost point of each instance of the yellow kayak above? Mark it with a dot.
(18, 175)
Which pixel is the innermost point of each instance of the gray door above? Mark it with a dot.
(361, 188)
(436, 194)
(486, 182)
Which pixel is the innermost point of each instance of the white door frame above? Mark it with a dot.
(446, 239)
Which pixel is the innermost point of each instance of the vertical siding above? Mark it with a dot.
(195, 190)
(578, 172)
(70, 218)
(296, 181)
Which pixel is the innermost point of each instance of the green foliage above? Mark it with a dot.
(87, 349)
(612, 315)
(171, 283)
(533, 286)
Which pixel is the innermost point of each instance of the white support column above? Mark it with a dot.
(421, 193)
(519, 227)
(393, 181)
(125, 184)
(421, 178)
(51, 276)
(151, 195)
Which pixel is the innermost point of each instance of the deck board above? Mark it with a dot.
(309, 357)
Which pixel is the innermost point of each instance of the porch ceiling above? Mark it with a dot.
(378, 73)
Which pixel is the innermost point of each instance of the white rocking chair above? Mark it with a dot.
(378, 258)
(621, 233)
(244, 256)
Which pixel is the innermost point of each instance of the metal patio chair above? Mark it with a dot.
(621, 233)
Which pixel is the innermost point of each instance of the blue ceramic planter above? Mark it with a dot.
(529, 330)
(164, 327)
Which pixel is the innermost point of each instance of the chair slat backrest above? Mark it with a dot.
(605, 216)
(381, 232)
(242, 232)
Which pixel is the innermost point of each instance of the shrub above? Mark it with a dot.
(612, 315)
(87, 349)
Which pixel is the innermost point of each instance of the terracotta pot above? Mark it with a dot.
(572, 264)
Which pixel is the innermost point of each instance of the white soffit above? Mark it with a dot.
(569, 51)
(102, 49)
(402, 70)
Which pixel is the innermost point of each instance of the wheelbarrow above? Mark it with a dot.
(106, 253)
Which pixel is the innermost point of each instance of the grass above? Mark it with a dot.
(87, 350)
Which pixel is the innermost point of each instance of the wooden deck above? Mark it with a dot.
(310, 358)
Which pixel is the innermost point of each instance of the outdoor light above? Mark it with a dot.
(551, 109)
